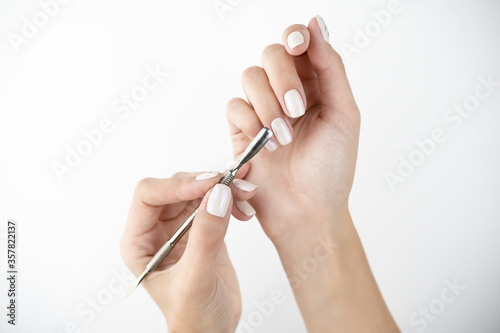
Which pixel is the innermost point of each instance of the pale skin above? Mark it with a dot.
(301, 203)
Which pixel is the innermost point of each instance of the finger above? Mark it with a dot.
(180, 187)
(307, 76)
(173, 210)
(244, 125)
(152, 193)
(208, 231)
(284, 80)
(267, 107)
(336, 94)
(296, 39)
(243, 191)
(243, 211)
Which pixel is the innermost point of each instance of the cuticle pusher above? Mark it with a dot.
(253, 148)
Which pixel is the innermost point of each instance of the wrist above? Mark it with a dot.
(333, 226)
(330, 277)
(315, 256)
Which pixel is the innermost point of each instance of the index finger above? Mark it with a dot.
(152, 194)
(182, 186)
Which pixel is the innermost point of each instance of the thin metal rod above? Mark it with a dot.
(253, 148)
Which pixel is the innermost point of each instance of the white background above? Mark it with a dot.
(441, 224)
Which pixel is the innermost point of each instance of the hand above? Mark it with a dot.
(312, 175)
(195, 287)
(305, 182)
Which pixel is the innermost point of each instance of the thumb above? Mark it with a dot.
(336, 94)
(208, 230)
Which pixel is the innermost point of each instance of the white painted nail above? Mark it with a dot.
(323, 28)
(294, 103)
(282, 131)
(245, 208)
(207, 175)
(219, 199)
(244, 185)
(294, 39)
(271, 145)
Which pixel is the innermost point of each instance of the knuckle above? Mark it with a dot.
(251, 73)
(142, 184)
(233, 105)
(179, 175)
(273, 50)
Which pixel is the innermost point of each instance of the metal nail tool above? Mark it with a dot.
(253, 148)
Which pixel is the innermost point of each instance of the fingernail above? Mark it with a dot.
(245, 208)
(294, 103)
(271, 145)
(323, 28)
(207, 175)
(282, 131)
(244, 185)
(294, 39)
(218, 201)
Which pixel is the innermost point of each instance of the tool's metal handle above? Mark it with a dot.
(228, 177)
(170, 244)
(159, 256)
(253, 148)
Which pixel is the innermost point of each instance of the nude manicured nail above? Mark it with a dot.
(294, 103)
(271, 145)
(219, 199)
(282, 131)
(294, 39)
(245, 208)
(244, 185)
(323, 28)
(207, 175)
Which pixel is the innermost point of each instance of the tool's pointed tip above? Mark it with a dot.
(133, 285)
(128, 290)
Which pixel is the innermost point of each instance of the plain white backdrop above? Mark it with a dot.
(62, 78)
